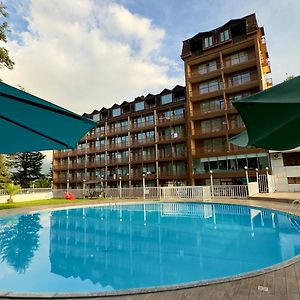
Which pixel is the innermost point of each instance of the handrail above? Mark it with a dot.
(293, 205)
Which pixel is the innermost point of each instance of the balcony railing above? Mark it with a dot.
(142, 141)
(117, 145)
(164, 119)
(241, 79)
(117, 130)
(240, 59)
(173, 136)
(142, 124)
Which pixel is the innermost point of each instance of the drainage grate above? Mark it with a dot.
(263, 288)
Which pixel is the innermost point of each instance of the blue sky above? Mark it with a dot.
(86, 54)
(143, 36)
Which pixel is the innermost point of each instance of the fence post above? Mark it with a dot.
(212, 183)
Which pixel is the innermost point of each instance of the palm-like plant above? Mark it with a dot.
(11, 190)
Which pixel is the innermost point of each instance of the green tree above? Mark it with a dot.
(4, 173)
(28, 166)
(43, 182)
(5, 61)
(11, 190)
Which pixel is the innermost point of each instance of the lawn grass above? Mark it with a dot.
(43, 202)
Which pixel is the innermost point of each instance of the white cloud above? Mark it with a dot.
(87, 54)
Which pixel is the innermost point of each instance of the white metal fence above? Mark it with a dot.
(230, 191)
(28, 191)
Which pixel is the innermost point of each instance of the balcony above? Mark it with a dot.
(138, 159)
(118, 161)
(242, 82)
(165, 174)
(241, 62)
(141, 125)
(207, 92)
(172, 156)
(59, 167)
(175, 137)
(170, 119)
(114, 131)
(195, 76)
(142, 142)
(115, 146)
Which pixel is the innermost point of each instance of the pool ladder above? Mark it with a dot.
(294, 206)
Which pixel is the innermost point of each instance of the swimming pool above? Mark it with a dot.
(120, 247)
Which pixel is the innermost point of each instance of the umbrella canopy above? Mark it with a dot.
(271, 117)
(28, 123)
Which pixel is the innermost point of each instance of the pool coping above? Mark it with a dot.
(147, 290)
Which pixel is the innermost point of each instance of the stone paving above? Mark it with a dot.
(283, 283)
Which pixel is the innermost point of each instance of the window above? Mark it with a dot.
(208, 41)
(239, 79)
(116, 112)
(208, 67)
(224, 36)
(96, 117)
(293, 180)
(212, 105)
(139, 106)
(166, 99)
(209, 86)
(214, 145)
(291, 159)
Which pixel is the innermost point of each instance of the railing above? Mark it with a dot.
(173, 136)
(230, 191)
(253, 188)
(142, 141)
(241, 79)
(240, 59)
(142, 124)
(164, 119)
(184, 192)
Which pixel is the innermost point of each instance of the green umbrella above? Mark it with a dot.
(28, 123)
(271, 117)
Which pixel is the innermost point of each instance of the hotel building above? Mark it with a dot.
(179, 136)
(146, 137)
(223, 65)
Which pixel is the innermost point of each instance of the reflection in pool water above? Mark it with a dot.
(132, 246)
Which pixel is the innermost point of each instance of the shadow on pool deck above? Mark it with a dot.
(279, 284)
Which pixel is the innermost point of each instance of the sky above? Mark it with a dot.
(89, 54)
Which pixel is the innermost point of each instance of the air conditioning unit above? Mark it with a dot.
(276, 156)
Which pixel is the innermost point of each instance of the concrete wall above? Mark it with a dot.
(281, 174)
(27, 197)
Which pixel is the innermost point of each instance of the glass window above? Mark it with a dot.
(139, 106)
(224, 36)
(207, 67)
(96, 117)
(116, 112)
(208, 41)
(166, 99)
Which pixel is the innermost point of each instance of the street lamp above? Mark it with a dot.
(33, 182)
(267, 170)
(144, 184)
(51, 184)
(83, 185)
(246, 172)
(256, 172)
(120, 186)
(68, 185)
(211, 183)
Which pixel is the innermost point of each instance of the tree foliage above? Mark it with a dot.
(11, 190)
(19, 239)
(28, 166)
(5, 61)
(4, 173)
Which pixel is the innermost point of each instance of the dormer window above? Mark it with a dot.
(116, 112)
(224, 35)
(208, 41)
(139, 106)
(166, 99)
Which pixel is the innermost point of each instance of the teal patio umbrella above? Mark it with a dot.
(28, 123)
(271, 117)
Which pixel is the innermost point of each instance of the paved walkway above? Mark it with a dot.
(277, 196)
(280, 284)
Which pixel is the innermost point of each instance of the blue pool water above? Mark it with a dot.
(134, 246)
